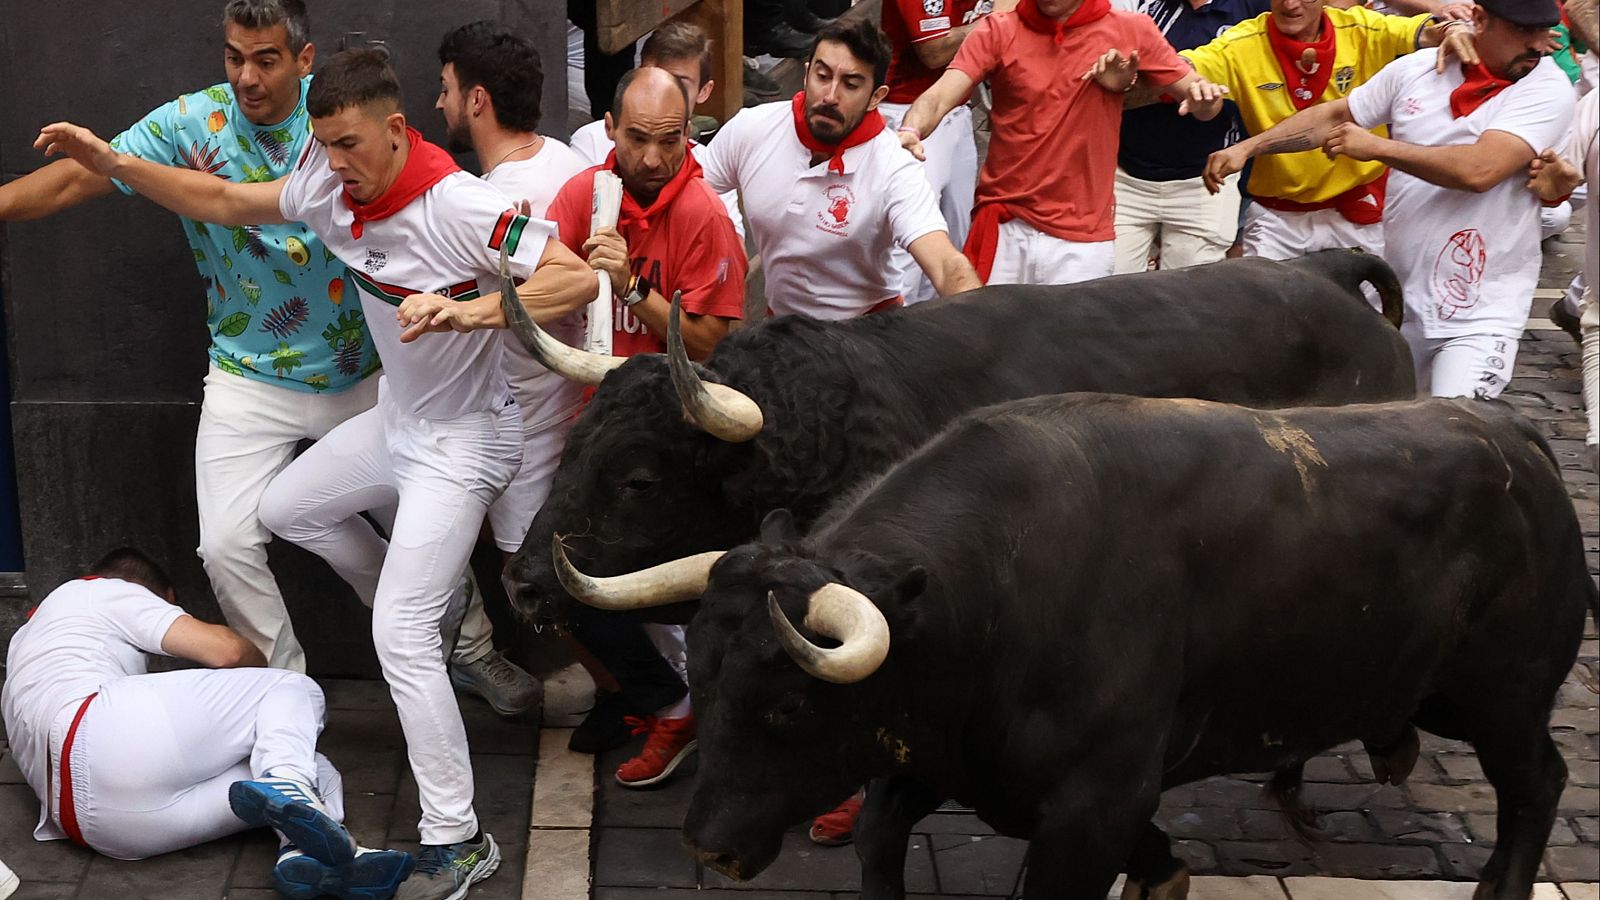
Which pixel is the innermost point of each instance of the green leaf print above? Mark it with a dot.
(199, 255)
(348, 328)
(239, 239)
(217, 94)
(319, 382)
(283, 277)
(286, 359)
(234, 325)
(228, 365)
(327, 255)
(227, 262)
(201, 229)
(373, 364)
(252, 291)
(155, 129)
(257, 174)
(244, 145)
(283, 134)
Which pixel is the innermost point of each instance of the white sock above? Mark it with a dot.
(677, 710)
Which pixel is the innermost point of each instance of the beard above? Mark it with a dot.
(829, 125)
(458, 137)
(1522, 66)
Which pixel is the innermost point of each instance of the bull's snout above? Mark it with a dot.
(723, 863)
(531, 588)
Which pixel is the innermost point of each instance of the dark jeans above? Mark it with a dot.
(621, 644)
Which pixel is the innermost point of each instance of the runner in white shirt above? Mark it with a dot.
(829, 190)
(684, 50)
(133, 764)
(445, 438)
(1461, 231)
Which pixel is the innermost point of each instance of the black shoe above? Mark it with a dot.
(760, 83)
(778, 40)
(1567, 322)
(804, 20)
(603, 728)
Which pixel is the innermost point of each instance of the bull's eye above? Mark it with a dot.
(640, 481)
(786, 710)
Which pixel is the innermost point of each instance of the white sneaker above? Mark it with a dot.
(9, 882)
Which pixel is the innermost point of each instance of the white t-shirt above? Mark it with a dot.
(84, 635)
(1583, 151)
(591, 143)
(544, 396)
(824, 238)
(1468, 262)
(446, 241)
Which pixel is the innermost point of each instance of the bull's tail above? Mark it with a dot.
(1350, 269)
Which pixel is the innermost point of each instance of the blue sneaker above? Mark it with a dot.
(372, 875)
(295, 811)
(445, 872)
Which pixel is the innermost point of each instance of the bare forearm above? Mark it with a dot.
(199, 196)
(58, 186)
(1461, 167)
(937, 101)
(1307, 129)
(937, 53)
(955, 275)
(700, 333)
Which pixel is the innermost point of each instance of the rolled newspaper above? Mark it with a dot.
(607, 204)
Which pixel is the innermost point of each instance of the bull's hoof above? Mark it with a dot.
(1393, 764)
(1176, 887)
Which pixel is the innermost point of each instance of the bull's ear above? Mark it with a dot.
(778, 527)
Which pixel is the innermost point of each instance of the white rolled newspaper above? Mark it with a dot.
(607, 204)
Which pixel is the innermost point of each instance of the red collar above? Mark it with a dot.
(425, 166)
(1477, 87)
(1296, 57)
(1089, 11)
(865, 130)
(632, 213)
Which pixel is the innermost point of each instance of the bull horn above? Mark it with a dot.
(722, 411)
(568, 362)
(847, 616)
(670, 582)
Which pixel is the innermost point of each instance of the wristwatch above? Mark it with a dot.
(639, 288)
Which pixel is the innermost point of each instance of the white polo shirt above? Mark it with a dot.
(591, 143)
(446, 241)
(545, 397)
(824, 238)
(85, 634)
(1468, 262)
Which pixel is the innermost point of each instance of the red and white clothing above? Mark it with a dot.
(824, 230)
(1468, 262)
(133, 764)
(1052, 158)
(592, 145)
(683, 242)
(909, 22)
(548, 402)
(443, 441)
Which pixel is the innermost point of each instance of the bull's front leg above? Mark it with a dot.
(892, 806)
(1088, 828)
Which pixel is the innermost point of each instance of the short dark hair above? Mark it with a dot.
(628, 78)
(129, 564)
(864, 40)
(258, 14)
(354, 77)
(505, 65)
(678, 40)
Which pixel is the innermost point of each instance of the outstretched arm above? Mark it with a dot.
(188, 193)
(1476, 167)
(929, 110)
(946, 267)
(1307, 129)
(58, 186)
(560, 284)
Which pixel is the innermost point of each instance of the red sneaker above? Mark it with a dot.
(669, 743)
(837, 828)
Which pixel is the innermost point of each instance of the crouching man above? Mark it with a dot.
(132, 764)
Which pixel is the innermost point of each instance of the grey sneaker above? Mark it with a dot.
(499, 681)
(445, 873)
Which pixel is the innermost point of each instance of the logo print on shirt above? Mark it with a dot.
(1343, 77)
(1411, 107)
(1270, 86)
(933, 7)
(1457, 272)
(835, 216)
(376, 259)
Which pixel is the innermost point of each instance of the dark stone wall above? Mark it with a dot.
(104, 309)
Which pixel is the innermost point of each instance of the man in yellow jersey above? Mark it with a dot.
(1296, 55)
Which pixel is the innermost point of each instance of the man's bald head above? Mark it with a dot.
(653, 92)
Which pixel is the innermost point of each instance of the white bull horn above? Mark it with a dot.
(845, 615)
(670, 582)
(568, 362)
(722, 411)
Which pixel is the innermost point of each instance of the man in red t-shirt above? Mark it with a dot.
(924, 36)
(1058, 69)
(673, 233)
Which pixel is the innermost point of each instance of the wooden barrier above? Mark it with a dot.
(622, 22)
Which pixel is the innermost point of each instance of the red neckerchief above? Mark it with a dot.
(1305, 88)
(865, 130)
(1088, 11)
(425, 165)
(1475, 90)
(632, 214)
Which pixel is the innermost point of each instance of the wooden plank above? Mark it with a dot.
(621, 22)
(723, 20)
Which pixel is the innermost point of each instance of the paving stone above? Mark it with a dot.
(44, 890)
(1264, 825)
(1587, 828)
(952, 823)
(1579, 891)
(40, 861)
(658, 807)
(368, 772)
(258, 853)
(1377, 860)
(1351, 796)
(977, 865)
(1585, 720)
(802, 865)
(1407, 826)
(610, 893)
(1324, 888)
(1461, 768)
(368, 816)
(1349, 826)
(1253, 887)
(563, 787)
(1464, 860)
(1583, 772)
(1330, 768)
(557, 864)
(9, 773)
(1198, 856)
(1279, 858)
(355, 693)
(1201, 823)
(489, 733)
(1231, 793)
(1457, 798)
(642, 857)
(1572, 863)
(197, 873)
(352, 732)
(502, 792)
(1483, 827)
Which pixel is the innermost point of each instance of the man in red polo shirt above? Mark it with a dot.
(1058, 69)
(673, 234)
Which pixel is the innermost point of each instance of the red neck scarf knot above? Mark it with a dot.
(867, 129)
(426, 165)
(1088, 11)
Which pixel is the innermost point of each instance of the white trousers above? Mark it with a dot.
(952, 170)
(1026, 255)
(155, 754)
(1182, 222)
(1589, 328)
(513, 512)
(1271, 234)
(1474, 365)
(443, 475)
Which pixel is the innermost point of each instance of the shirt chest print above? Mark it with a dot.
(837, 203)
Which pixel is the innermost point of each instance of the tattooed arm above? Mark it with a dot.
(1307, 129)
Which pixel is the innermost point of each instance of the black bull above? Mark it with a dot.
(637, 484)
(1087, 599)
